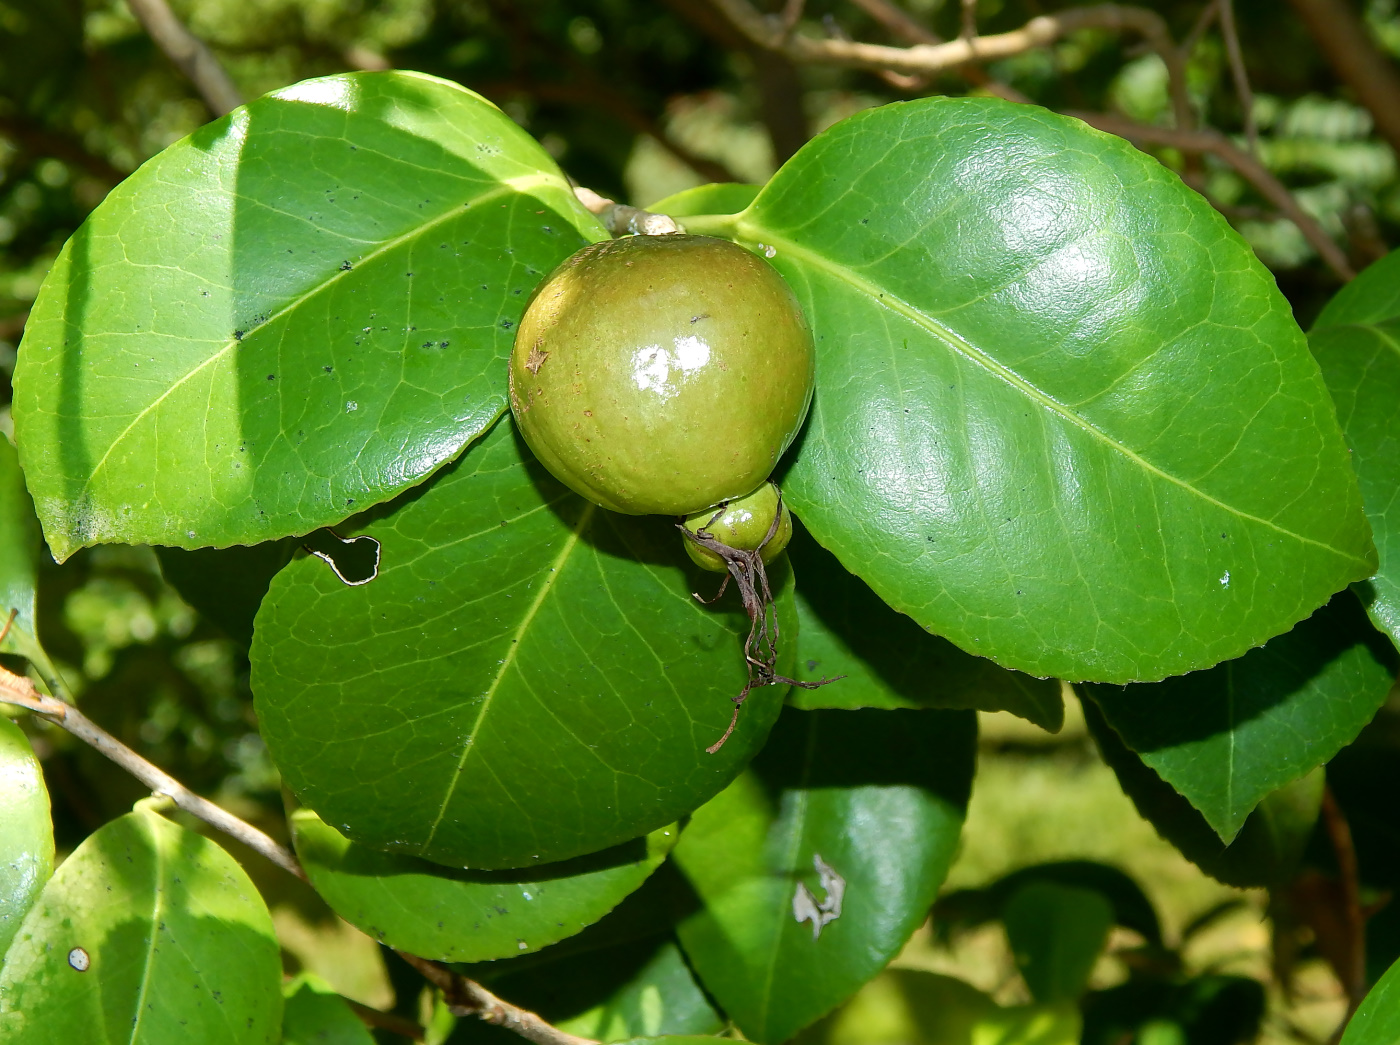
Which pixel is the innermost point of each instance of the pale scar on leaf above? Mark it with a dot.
(805, 907)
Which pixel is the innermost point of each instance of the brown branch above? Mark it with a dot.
(39, 140)
(391, 1022)
(466, 997)
(189, 54)
(931, 59)
(1357, 61)
(1238, 71)
(1246, 165)
(1353, 972)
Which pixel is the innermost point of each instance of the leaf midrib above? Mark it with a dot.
(516, 185)
(517, 640)
(156, 908)
(883, 296)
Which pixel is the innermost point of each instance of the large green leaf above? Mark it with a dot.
(469, 916)
(148, 934)
(889, 661)
(26, 829)
(1357, 343)
(19, 547)
(1377, 1018)
(1267, 849)
(293, 314)
(1063, 416)
(529, 678)
(820, 860)
(316, 1015)
(1226, 737)
(1057, 933)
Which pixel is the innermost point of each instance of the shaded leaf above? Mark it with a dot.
(1267, 849)
(529, 678)
(226, 585)
(913, 1007)
(661, 999)
(1377, 1018)
(1063, 416)
(26, 829)
(820, 860)
(726, 197)
(1226, 737)
(19, 549)
(295, 313)
(1357, 343)
(315, 1015)
(1205, 1010)
(1056, 934)
(888, 660)
(146, 935)
(469, 916)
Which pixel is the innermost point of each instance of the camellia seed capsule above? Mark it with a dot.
(744, 524)
(661, 375)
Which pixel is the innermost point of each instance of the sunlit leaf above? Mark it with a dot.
(26, 829)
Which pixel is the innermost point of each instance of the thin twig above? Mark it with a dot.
(969, 20)
(466, 997)
(15, 689)
(622, 220)
(189, 54)
(1238, 72)
(931, 59)
(38, 140)
(1203, 22)
(1341, 35)
(1248, 167)
(1353, 976)
(389, 1021)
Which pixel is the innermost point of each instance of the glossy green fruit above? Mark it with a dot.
(743, 523)
(661, 374)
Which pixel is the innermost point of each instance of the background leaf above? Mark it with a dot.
(529, 678)
(1226, 737)
(26, 830)
(879, 797)
(888, 660)
(295, 313)
(1356, 340)
(1050, 379)
(316, 1015)
(178, 945)
(469, 916)
(19, 548)
(226, 585)
(1267, 849)
(1377, 1019)
(1056, 934)
(716, 198)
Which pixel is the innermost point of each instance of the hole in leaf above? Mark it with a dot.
(355, 560)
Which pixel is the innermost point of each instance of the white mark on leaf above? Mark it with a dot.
(805, 907)
(79, 959)
(1225, 579)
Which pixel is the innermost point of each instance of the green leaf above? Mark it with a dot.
(1377, 1018)
(295, 313)
(1063, 416)
(715, 198)
(469, 916)
(147, 934)
(889, 661)
(226, 585)
(316, 1015)
(1268, 848)
(19, 549)
(1357, 343)
(529, 677)
(26, 829)
(1226, 737)
(1056, 934)
(847, 820)
(913, 1007)
(661, 999)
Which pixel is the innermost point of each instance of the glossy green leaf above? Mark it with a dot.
(1377, 1018)
(913, 1007)
(295, 313)
(19, 549)
(315, 1015)
(970, 908)
(1057, 933)
(147, 934)
(820, 860)
(469, 916)
(26, 829)
(889, 661)
(726, 197)
(1357, 343)
(529, 678)
(1226, 737)
(1268, 848)
(1063, 416)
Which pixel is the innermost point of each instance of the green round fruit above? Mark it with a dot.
(742, 524)
(660, 375)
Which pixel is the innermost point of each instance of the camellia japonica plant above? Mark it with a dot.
(1030, 412)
